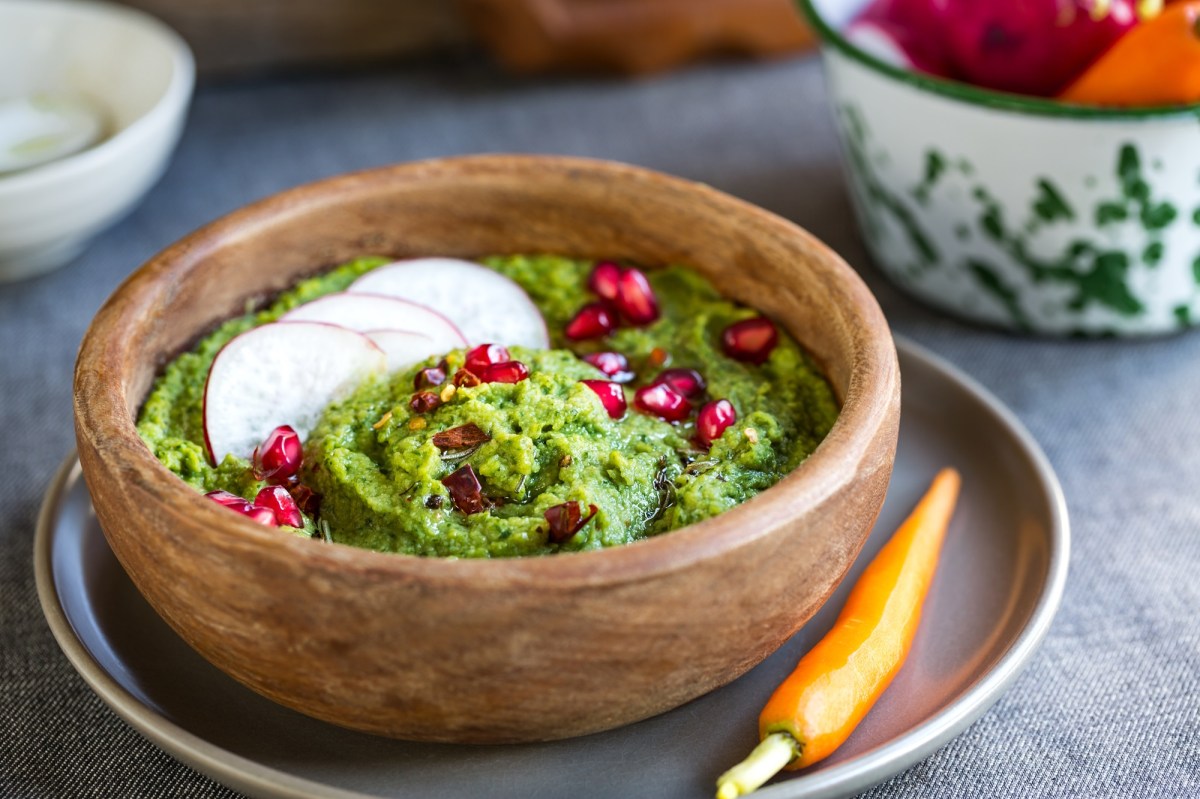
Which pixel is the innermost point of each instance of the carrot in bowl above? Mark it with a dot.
(1155, 63)
(834, 686)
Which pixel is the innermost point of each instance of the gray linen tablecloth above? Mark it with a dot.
(1108, 706)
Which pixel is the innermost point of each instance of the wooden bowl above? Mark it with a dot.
(497, 650)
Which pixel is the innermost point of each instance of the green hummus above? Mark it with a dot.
(373, 461)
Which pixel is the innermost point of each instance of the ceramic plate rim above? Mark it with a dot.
(852, 776)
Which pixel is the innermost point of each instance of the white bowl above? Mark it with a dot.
(125, 62)
(1019, 212)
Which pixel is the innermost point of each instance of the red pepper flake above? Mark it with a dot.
(467, 435)
(430, 377)
(567, 519)
(659, 357)
(465, 378)
(307, 500)
(424, 402)
(466, 492)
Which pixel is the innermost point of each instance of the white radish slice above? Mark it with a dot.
(363, 312)
(485, 305)
(281, 373)
(404, 347)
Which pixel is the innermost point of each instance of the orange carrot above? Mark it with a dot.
(1155, 63)
(816, 708)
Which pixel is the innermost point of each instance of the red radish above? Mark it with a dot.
(713, 420)
(373, 312)
(279, 456)
(659, 399)
(613, 364)
(484, 304)
(280, 502)
(403, 348)
(465, 490)
(256, 513)
(594, 320)
(604, 280)
(484, 356)
(1032, 46)
(635, 298)
(750, 340)
(566, 519)
(281, 373)
(507, 372)
(687, 382)
(611, 395)
(904, 33)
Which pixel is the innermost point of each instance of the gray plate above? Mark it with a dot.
(998, 585)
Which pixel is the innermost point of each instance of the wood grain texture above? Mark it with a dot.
(502, 650)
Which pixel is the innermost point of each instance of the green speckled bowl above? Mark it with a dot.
(1019, 212)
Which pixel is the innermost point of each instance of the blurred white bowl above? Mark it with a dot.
(130, 65)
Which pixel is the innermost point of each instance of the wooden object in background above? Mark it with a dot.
(234, 37)
(632, 36)
(515, 649)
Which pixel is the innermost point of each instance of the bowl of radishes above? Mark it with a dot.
(478, 649)
(1029, 165)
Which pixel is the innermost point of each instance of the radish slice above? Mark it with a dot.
(485, 305)
(404, 347)
(281, 373)
(363, 312)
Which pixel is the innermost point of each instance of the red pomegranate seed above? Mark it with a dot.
(279, 456)
(714, 418)
(424, 402)
(594, 320)
(508, 372)
(750, 340)
(465, 490)
(280, 502)
(236, 504)
(430, 377)
(611, 395)
(484, 356)
(613, 364)
(604, 279)
(659, 399)
(687, 382)
(566, 520)
(635, 298)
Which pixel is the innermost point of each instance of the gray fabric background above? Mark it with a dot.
(1108, 707)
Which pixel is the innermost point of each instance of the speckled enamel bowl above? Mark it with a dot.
(496, 650)
(1019, 212)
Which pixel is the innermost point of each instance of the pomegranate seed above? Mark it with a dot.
(508, 372)
(594, 320)
(566, 520)
(714, 418)
(236, 504)
(424, 402)
(430, 377)
(611, 395)
(280, 502)
(687, 382)
(279, 456)
(750, 340)
(604, 280)
(484, 356)
(465, 490)
(613, 364)
(662, 401)
(635, 298)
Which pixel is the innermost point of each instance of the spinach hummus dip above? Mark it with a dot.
(658, 404)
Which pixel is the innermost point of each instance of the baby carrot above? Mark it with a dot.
(1155, 63)
(816, 708)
